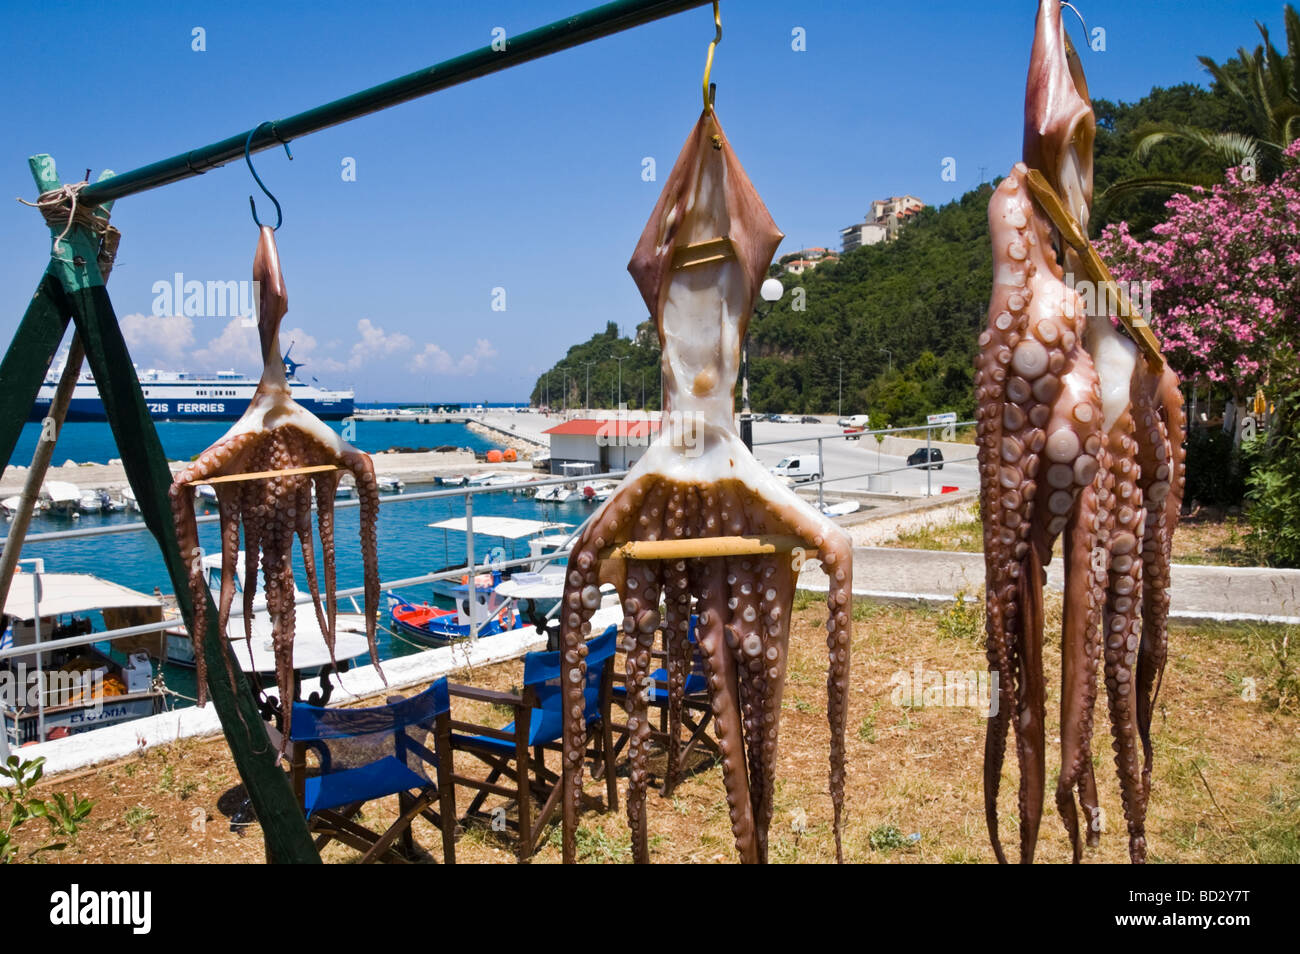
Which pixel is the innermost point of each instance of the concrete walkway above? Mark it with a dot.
(1199, 593)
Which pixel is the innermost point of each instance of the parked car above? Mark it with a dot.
(917, 458)
(798, 467)
(785, 419)
(809, 419)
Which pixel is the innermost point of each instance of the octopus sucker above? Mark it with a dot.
(698, 265)
(1073, 442)
(275, 434)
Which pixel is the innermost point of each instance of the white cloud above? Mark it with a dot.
(437, 360)
(377, 343)
(158, 341)
(169, 342)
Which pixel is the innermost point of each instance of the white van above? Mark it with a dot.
(799, 467)
(855, 425)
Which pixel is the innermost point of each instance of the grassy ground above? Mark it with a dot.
(1226, 786)
(1221, 541)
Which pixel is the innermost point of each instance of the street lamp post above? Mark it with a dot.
(620, 374)
(890, 355)
(841, 386)
(771, 292)
(589, 364)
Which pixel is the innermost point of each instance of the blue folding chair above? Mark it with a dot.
(696, 714)
(538, 728)
(366, 754)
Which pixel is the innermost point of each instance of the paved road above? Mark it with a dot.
(1257, 594)
(853, 459)
(843, 458)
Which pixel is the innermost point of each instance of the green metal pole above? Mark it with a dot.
(504, 53)
(78, 290)
(25, 364)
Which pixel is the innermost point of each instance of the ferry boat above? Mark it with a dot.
(183, 396)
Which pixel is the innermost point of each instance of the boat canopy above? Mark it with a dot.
(60, 491)
(63, 593)
(512, 528)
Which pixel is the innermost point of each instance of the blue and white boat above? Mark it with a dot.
(184, 396)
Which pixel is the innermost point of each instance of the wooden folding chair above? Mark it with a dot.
(366, 754)
(696, 715)
(518, 751)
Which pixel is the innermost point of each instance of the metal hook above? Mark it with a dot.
(248, 158)
(708, 64)
(1067, 3)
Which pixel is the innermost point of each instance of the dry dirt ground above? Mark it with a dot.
(1226, 786)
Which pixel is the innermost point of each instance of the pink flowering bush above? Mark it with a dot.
(1225, 278)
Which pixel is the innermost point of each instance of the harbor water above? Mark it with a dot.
(407, 545)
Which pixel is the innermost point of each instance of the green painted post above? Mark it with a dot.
(78, 292)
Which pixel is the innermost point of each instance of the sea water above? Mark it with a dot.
(408, 546)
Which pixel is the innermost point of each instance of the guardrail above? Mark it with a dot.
(472, 568)
(821, 458)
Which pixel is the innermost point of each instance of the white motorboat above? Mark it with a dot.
(309, 649)
(558, 493)
(94, 501)
(61, 497)
(390, 485)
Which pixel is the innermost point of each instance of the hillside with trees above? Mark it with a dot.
(891, 329)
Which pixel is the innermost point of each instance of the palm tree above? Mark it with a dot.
(1265, 83)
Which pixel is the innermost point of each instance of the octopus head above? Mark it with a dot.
(1059, 122)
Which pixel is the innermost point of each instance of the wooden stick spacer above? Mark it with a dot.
(706, 547)
(701, 253)
(1095, 268)
(266, 474)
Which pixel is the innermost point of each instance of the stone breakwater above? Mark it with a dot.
(523, 444)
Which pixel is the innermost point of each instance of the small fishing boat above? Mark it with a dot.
(390, 485)
(128, 498)
(61, 498)
(558, 493)
(485, 614)
(598, 491)
(453, 480)
(80, 687)
(94, 501)
(505, 529)
(841, 509)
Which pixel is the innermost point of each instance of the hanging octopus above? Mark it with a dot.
(275, 434)
(698, 266)
(1078, 436)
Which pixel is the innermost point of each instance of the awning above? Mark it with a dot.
(70, 593)
(512, 528)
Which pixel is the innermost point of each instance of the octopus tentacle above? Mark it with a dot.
(640, 624)
(581, 600)
(326, 485)
(181, 497)
(302, 525)
(1159, 414)
(677, 642)
(363, 470)
(228, 503)
(1122, 628)
(713, 639)
(1079, 650)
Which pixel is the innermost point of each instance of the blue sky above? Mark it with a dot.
(529, 180)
